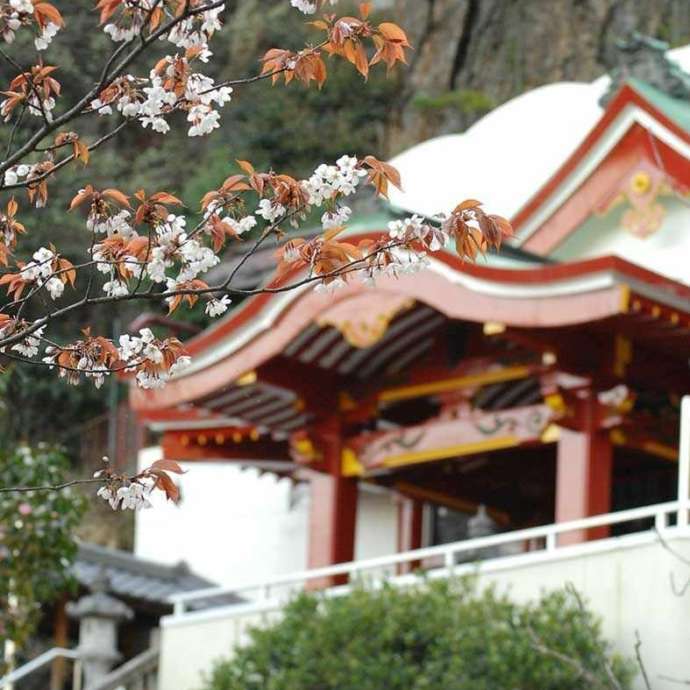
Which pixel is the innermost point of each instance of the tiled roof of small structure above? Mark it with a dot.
(134, 578)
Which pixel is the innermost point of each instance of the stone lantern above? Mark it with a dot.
(98, 614)
(482, 525)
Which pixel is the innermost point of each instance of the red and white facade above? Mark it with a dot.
(544, 390)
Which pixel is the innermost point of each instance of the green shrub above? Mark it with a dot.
(37, 544)
(438, 635)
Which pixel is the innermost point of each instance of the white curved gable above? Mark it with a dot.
(502, 159)
(505, 157)
(665, 251)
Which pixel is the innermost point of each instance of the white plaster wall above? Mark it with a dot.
(230, 526)
(376, 533)
(627, 585)
(234, 526)
(665, 251)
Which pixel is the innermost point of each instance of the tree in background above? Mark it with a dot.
(442, 634)
(37, 544)
(141, 246)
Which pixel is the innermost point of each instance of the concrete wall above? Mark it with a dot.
(626, 581)
(234, 526)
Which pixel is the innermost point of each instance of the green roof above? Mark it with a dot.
(675, 109)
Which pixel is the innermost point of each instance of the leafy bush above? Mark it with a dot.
(438, 635)
(37, 546)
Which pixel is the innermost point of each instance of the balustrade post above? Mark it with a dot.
(684, 463)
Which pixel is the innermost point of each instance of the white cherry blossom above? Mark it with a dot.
(216, 307)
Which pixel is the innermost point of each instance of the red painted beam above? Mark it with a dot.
(440, 439)
(204, 447)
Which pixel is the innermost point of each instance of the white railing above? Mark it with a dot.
(139, 673)
(42, 660)
(543, 541)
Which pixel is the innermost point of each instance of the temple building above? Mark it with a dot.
(539, 385)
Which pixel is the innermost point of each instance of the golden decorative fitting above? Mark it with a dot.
(219, 439)
(622, 355)
(346, 403)
(624, 298)
(548, 358)
(556, 402)
(246, 379)
(640, 183)
(184, 440)
(618, 438)
(494, 328)
(254, 434)
(302, 450)
(350, 466)
(639, 193)
(363, 320)
(201, 439)
(551, 434)
(237, 437)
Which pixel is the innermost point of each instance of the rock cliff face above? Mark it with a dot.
(471, 55)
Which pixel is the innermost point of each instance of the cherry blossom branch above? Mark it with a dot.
(352, 267)
(114, 370)
(265, 75)
(173, 86)
(121, 491)
(32, 85)
(78, 109)
(62, 163)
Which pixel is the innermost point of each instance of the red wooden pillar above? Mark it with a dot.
(584, 473)
(332, 520)
(333, 514)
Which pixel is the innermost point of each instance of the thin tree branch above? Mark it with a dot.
(15, 129)
(670, 549)
(583, 672)
(48, 487)
(640, 662)
(570, 587)
(679, 681)
(60, 164)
